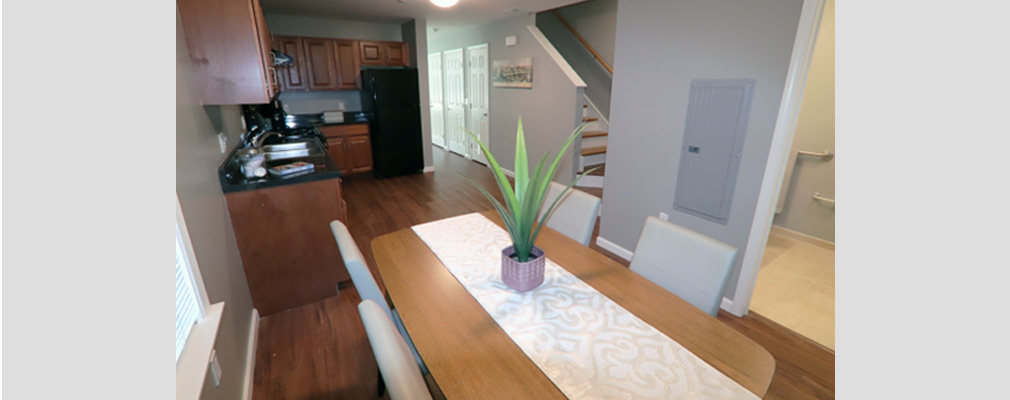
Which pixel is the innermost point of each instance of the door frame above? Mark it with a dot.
(441, 91)
(479, 157)
(782, 138)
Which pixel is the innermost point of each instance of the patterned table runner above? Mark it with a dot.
(589, 346)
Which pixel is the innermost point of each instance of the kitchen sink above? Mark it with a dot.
(283, 151)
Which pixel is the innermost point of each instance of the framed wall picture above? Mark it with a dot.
(515, 73)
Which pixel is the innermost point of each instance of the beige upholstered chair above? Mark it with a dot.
(400, 373)
(575, 215)
(365, 283)
(692, 266)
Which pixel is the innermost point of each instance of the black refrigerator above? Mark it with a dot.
(391, 96)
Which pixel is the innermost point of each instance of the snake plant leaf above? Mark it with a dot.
(522, 205)
(550, 210)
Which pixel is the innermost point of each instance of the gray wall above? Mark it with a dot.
(415, 34)
(291, 25)
(600, 18)
(317, 102)
(197, 156)
(815, 131)
(550, 110)
(661, 46)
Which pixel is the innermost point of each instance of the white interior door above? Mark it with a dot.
(455, 113)
(477, 111)
(437, 106)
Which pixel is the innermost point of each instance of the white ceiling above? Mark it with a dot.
(466, 13)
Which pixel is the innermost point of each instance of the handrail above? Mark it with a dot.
(584, 43)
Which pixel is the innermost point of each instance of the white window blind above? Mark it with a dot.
(187, 305)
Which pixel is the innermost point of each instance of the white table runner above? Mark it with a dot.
(589, 346)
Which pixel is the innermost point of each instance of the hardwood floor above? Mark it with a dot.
(320, 351)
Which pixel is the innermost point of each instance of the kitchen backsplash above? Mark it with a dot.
(317, 102)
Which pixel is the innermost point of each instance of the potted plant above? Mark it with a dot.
(523, 262)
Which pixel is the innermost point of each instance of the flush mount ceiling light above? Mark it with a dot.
(444, 3)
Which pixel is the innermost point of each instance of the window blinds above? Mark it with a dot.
(187, 305)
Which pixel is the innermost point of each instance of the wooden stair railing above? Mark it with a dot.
(584, 43)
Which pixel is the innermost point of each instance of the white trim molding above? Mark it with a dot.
(785, 126)
(614, 248)
(250, 356)
(191, 370)
(430, 168)
(556, 57)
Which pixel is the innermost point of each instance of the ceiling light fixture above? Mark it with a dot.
(444, 3)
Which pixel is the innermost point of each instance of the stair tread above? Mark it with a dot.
(589, 151)
(592, 134)
(590, 119)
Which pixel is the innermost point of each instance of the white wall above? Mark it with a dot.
(550, 110)
(815, 131)
(197, 156)
(661, 46)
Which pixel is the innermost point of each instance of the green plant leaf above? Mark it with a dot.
(550, 210)
(522, 165)
(511, 202)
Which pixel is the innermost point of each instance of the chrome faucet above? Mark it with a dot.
(257, 141)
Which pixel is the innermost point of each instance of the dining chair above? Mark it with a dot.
(690, 265)
(401, 375)
(365, 283)
(575, 215)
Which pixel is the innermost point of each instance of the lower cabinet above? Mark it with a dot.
(350, 146)
(288, 251)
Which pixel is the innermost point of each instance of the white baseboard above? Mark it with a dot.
(250, 357)
(614, 248)
(803, 237)
(430, 168)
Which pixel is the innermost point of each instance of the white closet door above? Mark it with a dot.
(455, 120)
(476, 86)
(437, 106)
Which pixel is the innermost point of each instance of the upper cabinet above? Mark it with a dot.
(384, 53)
(333, 64)
(229, 45)
(292, 77)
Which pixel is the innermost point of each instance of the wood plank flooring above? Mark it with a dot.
(320, 351)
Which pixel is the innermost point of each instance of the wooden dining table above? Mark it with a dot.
(470, 356)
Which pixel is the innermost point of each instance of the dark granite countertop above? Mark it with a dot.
(232, 179)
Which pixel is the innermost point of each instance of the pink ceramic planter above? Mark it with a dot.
(523, 276)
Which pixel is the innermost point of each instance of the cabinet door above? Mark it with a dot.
(359, 148)
(372, 53)
(226, 40)
(263, 33)
(320, 63)
(348, 64)
(291, 78)
(337, 147)
(396, 53)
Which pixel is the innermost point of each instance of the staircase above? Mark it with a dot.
(594, 145)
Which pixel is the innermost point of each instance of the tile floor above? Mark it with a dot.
(796, 286)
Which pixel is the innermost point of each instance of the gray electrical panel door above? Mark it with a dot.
(717, 113)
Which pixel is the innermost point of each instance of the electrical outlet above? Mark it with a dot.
(664, 216)
(223, 141)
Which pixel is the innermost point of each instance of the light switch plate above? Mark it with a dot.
(664, 216)
(510, 41)
(223, 141)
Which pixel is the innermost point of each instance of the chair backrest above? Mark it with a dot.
(575, 215)
(399, 371)
(692, 266)
(362, 277)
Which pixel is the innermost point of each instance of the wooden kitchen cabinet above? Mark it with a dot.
(292, 79)
(348, 64)
(350, 147)
(321, 64)
(384, 53)
(284, 239)
(229, 46)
